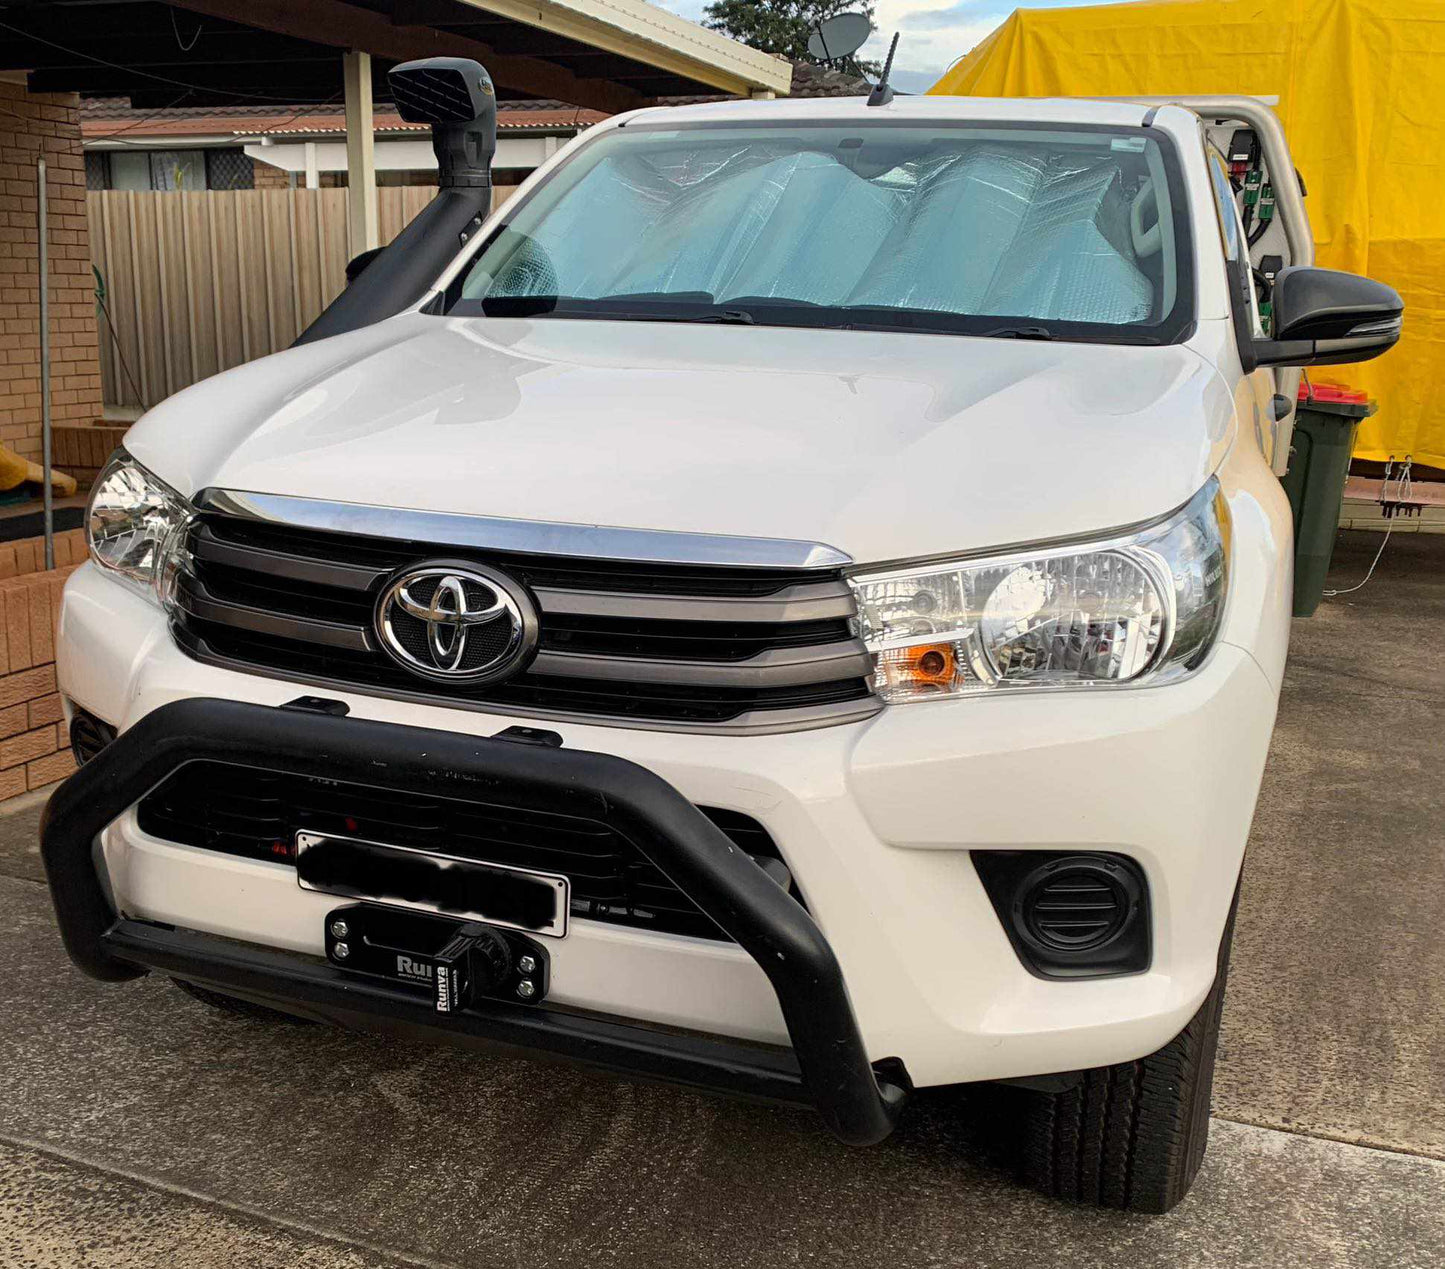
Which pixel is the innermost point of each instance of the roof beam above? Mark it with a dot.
(176, 68)
(347, 26)
(275, 85)
(650, 34)
(36, 51)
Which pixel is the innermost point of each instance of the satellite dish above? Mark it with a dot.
(839, 37)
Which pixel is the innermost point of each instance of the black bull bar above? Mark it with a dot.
(827, 1066)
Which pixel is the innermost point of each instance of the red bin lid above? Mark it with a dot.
(1334, 393)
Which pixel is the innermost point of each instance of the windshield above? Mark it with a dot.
(1070, 233)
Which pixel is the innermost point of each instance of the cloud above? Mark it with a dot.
(966, 15)
(931, 39)
(915, 81)
(935, 35)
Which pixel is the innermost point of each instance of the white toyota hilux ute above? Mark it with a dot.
(793, 604)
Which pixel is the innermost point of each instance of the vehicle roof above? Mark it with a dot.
(987, 109)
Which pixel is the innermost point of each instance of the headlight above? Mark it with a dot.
(1141, 607)
(132, 522)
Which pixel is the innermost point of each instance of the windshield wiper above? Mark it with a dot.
(1019, 332)
(1113, 336)
(603, 310)
(673, 306)
(766, 310)
(726, 317)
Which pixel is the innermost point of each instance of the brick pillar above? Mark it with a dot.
(32, 124)
(268, 177)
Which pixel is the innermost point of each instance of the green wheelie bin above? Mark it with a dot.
(1319, 463)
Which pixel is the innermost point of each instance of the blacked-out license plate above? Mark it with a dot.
(425, 881)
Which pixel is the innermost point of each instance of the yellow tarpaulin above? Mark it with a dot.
(1361, 89)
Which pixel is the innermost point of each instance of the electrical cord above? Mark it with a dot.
(1404, 486)
(185, 48)
(1348, 590)
(137, 123)
(115, 338)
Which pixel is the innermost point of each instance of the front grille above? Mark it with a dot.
(705, 647)
(257, 814)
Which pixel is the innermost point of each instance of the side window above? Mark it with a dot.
(1236, 253)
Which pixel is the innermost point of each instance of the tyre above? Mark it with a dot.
(232, 1005)
(1132, 1136)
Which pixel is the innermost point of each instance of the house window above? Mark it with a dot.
(130, 169)
(229, 169)
(136, 169)
(178, 169)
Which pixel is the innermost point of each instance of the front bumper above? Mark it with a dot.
(828, 1066)
(875, 820)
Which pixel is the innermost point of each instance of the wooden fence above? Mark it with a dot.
(195, 283)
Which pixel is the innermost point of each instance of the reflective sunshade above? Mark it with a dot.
(859, 225)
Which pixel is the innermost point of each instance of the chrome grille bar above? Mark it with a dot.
(809, 602)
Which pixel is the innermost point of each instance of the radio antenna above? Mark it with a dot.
(882, 93)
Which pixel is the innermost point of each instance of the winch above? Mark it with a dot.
(456, 962)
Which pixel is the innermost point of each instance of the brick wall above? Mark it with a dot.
(269, 177)
(34, 746)
(82, 451)
(32, 124)
(27, 555)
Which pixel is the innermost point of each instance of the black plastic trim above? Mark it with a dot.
(192, 598)
(833, 1068)
(1009, 875)
(314, 989)
(207, 547)
(88, 734)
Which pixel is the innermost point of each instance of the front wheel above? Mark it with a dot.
(1132, 1135)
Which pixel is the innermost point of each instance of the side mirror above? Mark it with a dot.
(1326, 318)
(357, 263)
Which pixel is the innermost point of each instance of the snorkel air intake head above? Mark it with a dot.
(455, 96)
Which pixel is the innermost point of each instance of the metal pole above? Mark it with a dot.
(360, 153)
(44, 245)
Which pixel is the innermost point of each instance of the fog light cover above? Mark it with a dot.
(1070, 914)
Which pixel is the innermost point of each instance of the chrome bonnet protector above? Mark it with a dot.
(540, 537)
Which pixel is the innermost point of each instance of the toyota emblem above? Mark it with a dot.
(456, 622)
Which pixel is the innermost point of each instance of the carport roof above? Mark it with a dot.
(609, 55)
(110, 123)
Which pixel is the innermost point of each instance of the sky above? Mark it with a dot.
(934, 33)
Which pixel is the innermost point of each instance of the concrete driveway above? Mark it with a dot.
(138, 1128)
